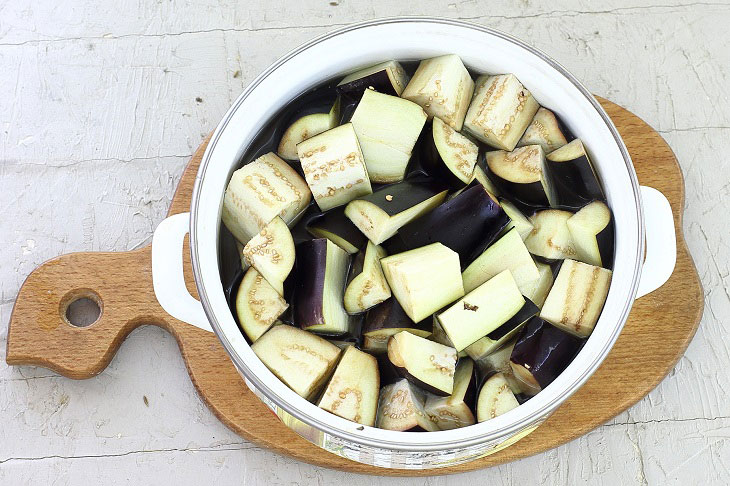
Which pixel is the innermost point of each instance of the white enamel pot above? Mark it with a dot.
(640, 214)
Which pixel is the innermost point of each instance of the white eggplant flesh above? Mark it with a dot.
(544, 130)
(400, 408)
(305, 128)
(537, 290)
(480, 176)
(519, 220)
(495, 398)
(239, 248)
(258, 305)
(271, 253)
(592, 234)
(550, 237)
(369, 287)
(455, 411)
(521, 173)
(427, 364)
(457, 152)
(397, 79)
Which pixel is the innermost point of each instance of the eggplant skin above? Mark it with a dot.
(336, 223)
(527, 311)
(311, 262)
(390, 315)
(572, 173)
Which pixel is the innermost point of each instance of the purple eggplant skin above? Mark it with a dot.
(311, 261)
(403, 372)
(379, 81)
(429, 159)
(398, 197)
(467, 223)
(524, 196)
(470, 397)
(390, 315)
(522, 398)
(388, 373)
(606, 244)
(299, 230)
(575, 182)
(335, 221)
(528, 310)
(544, 350)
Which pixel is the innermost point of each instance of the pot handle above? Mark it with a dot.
(168, 278)
(661, 244)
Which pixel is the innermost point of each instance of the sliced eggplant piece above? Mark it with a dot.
(302, 360)
(239, 248)
(456, 410)
(466, 223)
(507, 253)
(481, 176)
(544, 130)
(575, 180)
(424, 363)
(448, 154)
(345, 342)
(334, 168)
(482, 310)
(537, 291)
(495, 398)
(352, 392)
(424, 279)
(439, 335)
(321, 273)
(387, 319)
(388, 77)
(368, 287)
(577, 297)
(380, 215)
(259, 191)
(498, 361)
(503, 334)
(387, 128)
(400, 408)
(443, 87)
(541, 353)
(517, 219)
(521, 174)
(338, 228)
(304, 128)
(500, 110)
(550, 237)
(258, 305)
(592, 233)
(271, 253)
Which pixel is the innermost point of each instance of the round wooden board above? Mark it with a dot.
(654, 337)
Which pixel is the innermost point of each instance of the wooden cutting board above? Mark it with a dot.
(655, 336)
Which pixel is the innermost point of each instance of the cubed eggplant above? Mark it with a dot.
(495, 398)
(481, 176)
(517, 219)
(544, 130)
(367, 286)
(258, 305)
(304, 128)
(424, 363)
(575, 180)
(537, 291)
(338, 228)
(387, 319)
(521, 174)
(550, 237)
(456, 410)
(388, 77)
(498, 361)
(439, 335)
(493, 341)
(447, 154)
(400, 408)
(239, 248)
(271, 253)
(591, 230)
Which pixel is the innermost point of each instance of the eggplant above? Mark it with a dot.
(367, 287)
(271, 253)
(544, 130)
(466, 223)
(486, 345)
(424, 280)
(592, 233)
(302, 360)
(517, 219)
(352, 392)
(498, 361)
(306, 127)
(537, 290)
(439, 335)
(258, 305)
(575, 180)
(482, 310)
(344, 342)
(443, 88)
(239, 248)
(507, 253)
(424, 363)
(400, 408)
(321, 271)
(259, 191)
(379, 215)
(576, 299)
(521, 174)
(456, 410)
(448, 155)
(387, 128)
(495, 398)
(500, 111)
(388, 77)
(334, 167)
(387, 319)
(481, 176)
(550, 237)
(338, 228)
(299, 232)
(541, 353)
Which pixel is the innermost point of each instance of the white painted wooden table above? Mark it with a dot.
(102, 104)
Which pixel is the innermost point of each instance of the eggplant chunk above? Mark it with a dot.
(304, 128)
(388, 77)
(258, 305)
(439, 335)
(425, 363)
(334, 168)
(449, 154)
(575, 180)
(387, 128)
(517, 219)
(500, 111)
(338, 228)
(550, 237)
(368, 287)
(507, 253)
(498, 361)
(380, 215)
(271, 252)
(495, 398)
(482, 310)
(387, 319)
(400, 408)
(577, 297)
(503, 334)
(352, 392)
(591, 230)
(541, 353)
(544, 130)
(302, 360)
(521, 174)
(424, 280)
(481, 176)
(467, 223)
(321, 271)
(456, 410)
(537, 290)
(259, 191)
(443, 88)
(239, 248)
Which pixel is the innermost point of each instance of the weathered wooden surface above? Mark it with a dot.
(100, 115)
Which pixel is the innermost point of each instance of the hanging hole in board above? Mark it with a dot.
(81, 308)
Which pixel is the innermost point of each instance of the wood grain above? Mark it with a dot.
(653, 339)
